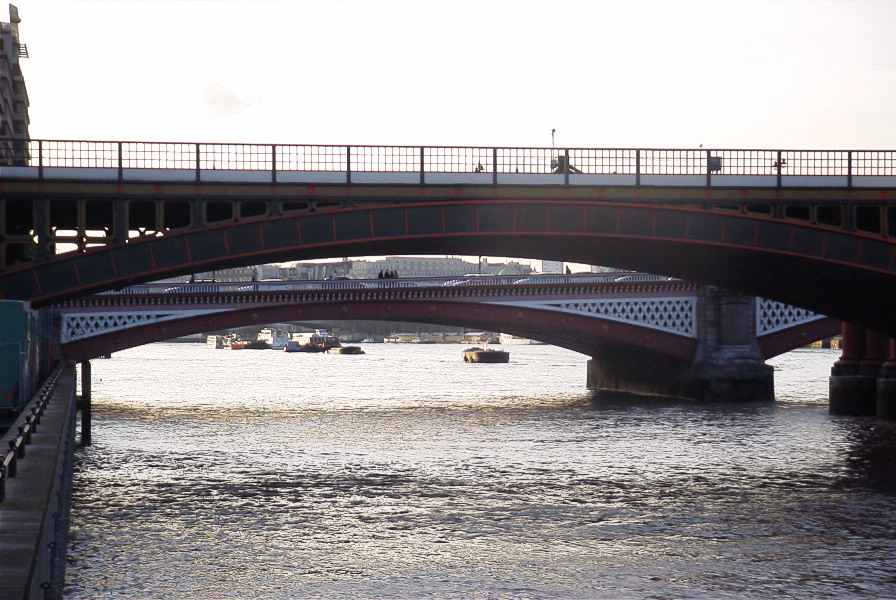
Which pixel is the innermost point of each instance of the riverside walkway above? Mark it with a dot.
(35, 488)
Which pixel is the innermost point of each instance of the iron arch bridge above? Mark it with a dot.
(591, 314)
(808, 228)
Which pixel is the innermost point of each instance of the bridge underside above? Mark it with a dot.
(579, 333)
(839, 273)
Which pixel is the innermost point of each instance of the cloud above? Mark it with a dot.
(223, 101)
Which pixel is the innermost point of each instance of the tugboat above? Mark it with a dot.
(485, 355)
(319, 341)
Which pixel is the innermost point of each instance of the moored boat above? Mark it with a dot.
(485, 355)
(319, 341)
(294, 346)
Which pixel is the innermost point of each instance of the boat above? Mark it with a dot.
(506, 338)
(346, 350)
(276, 338)
(294, 346)
(485, 355)
(319, 341)
(215, 341)
(481, 337)
(249, 345)
(372, 340)
(402, 338)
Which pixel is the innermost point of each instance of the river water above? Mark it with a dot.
(406, 473)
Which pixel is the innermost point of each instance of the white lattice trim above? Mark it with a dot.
(773, 316)
(78, 326)
(672, 315)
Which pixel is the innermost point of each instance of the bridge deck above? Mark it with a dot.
(439, 178)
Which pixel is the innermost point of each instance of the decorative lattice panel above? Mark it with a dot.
(77, 326)
(772, 316)
(672, 315)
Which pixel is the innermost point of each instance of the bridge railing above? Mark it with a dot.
(18, 437)
(182, 161)
(204, 287)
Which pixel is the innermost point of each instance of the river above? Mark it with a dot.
(407, 473)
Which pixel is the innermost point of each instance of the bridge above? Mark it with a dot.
(671, 325)
(808, 228)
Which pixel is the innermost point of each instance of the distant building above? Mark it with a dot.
(412, 266)
(600, 269)
(404, 266)
(14, 118)
(433, 266)
(551, 266)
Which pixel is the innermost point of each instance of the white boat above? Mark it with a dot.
(507, 338)
(403, 338)
(275, 338)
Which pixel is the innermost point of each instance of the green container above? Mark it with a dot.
(18, 333)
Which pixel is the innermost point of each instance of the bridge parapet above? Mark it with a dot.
(99, 160)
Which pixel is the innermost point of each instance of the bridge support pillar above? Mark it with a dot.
(85, 404)
(728, 365)
(852, 387)
(886, 384)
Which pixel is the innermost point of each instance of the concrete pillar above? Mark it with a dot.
(886, 384)
(852, 389)
(727, 365)
(876, 347)
(85, 404)
(41, 215)
(120, 221)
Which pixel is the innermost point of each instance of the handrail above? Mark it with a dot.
(26, 425)
(426, 164)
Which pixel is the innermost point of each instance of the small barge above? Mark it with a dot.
(486, 355)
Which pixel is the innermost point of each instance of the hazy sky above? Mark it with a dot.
(785, 73)
(756, 73)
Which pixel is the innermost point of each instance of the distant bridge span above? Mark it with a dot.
(591, 314)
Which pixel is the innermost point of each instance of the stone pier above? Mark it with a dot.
(727, 365)
(853, 382)
(886, 384)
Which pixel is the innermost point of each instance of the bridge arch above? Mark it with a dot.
(578, 333)
(831, 271)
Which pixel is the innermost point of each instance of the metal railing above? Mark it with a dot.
(489, 164)
(205, 287)
(18, 437)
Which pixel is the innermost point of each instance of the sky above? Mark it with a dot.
(636, 73)
(783, 73)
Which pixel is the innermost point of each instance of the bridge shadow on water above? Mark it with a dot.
(618, 401)
(869, 454)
